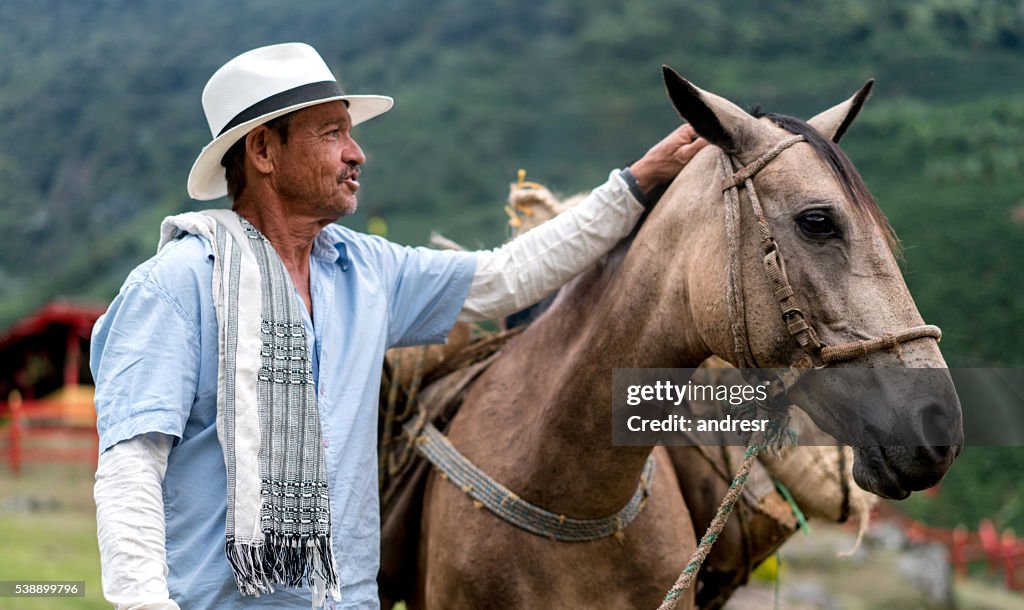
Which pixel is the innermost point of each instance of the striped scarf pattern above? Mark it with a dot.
(278, 514)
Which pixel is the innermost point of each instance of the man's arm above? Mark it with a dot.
(528, 268)
(145, 360)
(130, 523)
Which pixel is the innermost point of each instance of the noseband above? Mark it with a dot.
(816, 354)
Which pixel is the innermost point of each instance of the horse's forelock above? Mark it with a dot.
(845, 172)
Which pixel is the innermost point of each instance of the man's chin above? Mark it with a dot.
(350, 204)
(340, 209)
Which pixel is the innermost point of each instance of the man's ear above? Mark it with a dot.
(716, 119)
(258, 149)
(834, 122)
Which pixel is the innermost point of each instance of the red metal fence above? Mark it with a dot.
(1001, 552)
(46, 431)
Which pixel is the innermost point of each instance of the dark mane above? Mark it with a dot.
(844, 171)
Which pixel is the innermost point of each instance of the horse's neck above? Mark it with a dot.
(633, 309)
(626, 312)
(540, 419)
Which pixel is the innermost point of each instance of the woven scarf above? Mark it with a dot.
(278, 515)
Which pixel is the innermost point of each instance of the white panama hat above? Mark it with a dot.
(258, 86)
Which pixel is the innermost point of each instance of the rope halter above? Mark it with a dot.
(797, 325)
(816, 354)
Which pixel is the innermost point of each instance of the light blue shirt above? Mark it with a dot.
(154, 359)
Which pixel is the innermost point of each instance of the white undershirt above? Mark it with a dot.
(129, 475)
(130, 523)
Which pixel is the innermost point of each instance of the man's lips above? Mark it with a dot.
(350, 179)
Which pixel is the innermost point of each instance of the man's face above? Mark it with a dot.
(318, 169)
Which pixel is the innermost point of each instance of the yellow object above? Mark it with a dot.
(769, 570)
(74, 403)
(514, 210)
(377, 226)
(521, 183)
(513, 219)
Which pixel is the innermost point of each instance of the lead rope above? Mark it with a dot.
(689, 573)
(741, 343)
(796, 324)
(772, 439)
(741, 347)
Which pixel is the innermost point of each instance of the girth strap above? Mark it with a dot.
(504, 503)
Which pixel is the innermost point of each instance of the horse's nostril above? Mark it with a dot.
(937, 428)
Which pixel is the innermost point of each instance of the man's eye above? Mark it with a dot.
(816, 224)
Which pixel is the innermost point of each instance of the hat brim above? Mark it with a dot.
(206, 180)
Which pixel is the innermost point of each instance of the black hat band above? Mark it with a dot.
(297, 95)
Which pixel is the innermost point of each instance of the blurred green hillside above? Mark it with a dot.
(102, 120)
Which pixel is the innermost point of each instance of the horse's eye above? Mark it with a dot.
(816, 224)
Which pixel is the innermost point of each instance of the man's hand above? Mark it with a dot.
(667, 158)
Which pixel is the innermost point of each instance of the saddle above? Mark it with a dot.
(405, 408)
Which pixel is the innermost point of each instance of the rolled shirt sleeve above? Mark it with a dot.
(145, 356)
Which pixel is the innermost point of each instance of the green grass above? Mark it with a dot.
(48, 532)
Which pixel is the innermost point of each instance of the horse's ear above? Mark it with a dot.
(716, 119)
(834, 122)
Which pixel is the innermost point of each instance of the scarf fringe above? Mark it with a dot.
(289, 560)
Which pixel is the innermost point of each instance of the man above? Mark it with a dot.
(237, 372)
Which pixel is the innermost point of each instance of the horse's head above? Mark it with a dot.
(839, 261)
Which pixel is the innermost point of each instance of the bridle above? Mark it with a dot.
(816, 354)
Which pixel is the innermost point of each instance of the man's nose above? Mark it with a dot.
(353, 153)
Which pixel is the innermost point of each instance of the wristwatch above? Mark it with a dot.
(634, 188)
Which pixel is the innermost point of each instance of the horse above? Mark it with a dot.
(539, 419)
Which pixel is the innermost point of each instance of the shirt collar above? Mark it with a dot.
(327, 246)
(330, 247)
